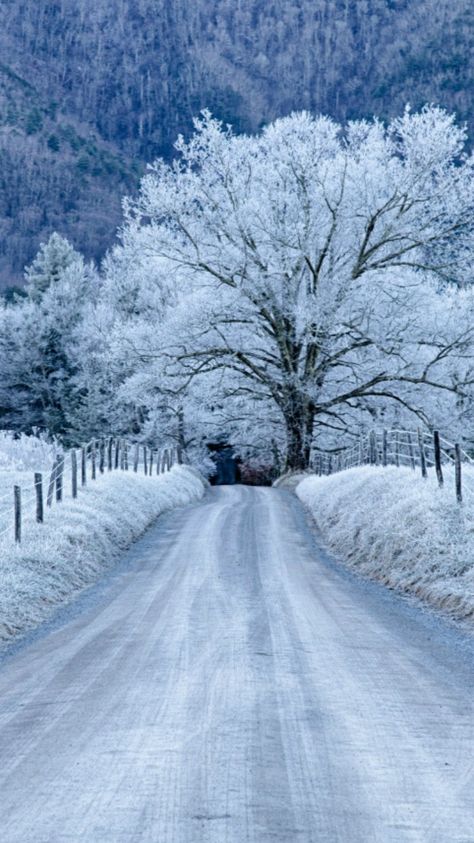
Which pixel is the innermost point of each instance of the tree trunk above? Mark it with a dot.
(299, 433)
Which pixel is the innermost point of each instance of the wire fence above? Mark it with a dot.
(71, 473)
(418, 450)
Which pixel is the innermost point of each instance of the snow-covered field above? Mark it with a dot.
(391, 525)
(79, 539)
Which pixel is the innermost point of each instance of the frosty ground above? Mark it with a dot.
(403, 530)
(80, 539)
(232, 683)
(228, 680)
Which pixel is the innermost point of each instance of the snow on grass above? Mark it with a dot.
(80, 539)
(391, 525)
(290, 480)
(20, 458)
(26, 453)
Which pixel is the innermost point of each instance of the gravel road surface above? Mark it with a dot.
(229, 683)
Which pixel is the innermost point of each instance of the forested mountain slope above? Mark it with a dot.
(92, 89)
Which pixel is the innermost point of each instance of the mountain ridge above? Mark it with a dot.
(89, 92)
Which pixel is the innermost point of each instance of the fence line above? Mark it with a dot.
(95, 458)
(415, 449)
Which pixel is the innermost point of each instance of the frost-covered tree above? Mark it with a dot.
(40, 348)
(317, 267)
(123, 332)
(49, 265)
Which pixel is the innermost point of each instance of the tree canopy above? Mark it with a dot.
(281, 290)
(317, 269)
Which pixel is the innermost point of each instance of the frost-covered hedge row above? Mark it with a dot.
(81, 539)
(391, 525)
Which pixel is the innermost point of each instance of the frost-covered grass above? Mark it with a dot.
(80, 539)
(25, 453)
(290, 480)
(391, 525)
(20, 458)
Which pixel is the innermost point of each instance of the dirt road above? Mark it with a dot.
(229, 684)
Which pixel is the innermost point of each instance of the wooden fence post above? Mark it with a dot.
(74, 474)
(372, 448)
(125, 455)
(39, 498)
(52, 481)
(110, 445)
(410, 451)
(421, 446)
(179, 455)
(83, 467)
(437, 458)
(59, 480)
(397, 450)
(136, 457)
(17, 499)
(93, 461)
(102, 456)
(151, 461)
(117, 454)
(458, 477)
(384, 448)
(145, 460)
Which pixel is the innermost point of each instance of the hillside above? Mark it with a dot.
(91, 91)
(54, 174)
